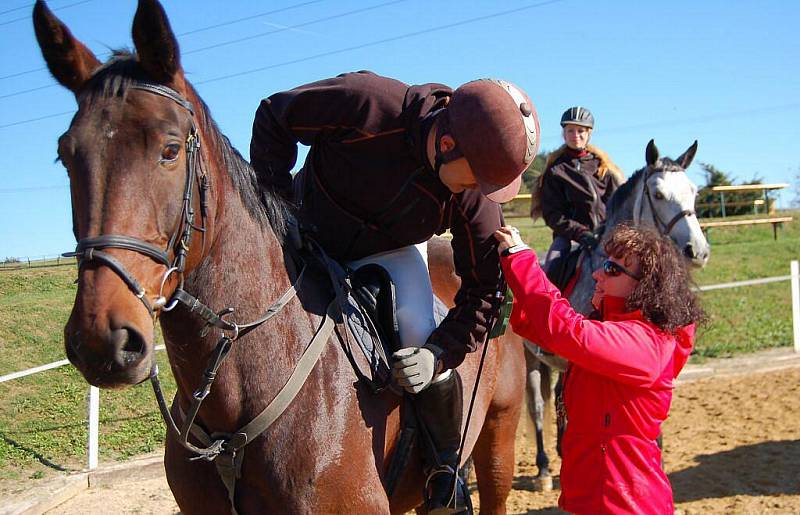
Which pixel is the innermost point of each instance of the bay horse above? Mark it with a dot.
(660, 195)
(171, 227)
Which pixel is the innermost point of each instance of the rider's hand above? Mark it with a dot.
(509, 237)
(414, 368)
(588, 240)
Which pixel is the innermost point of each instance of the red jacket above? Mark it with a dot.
(618, 393)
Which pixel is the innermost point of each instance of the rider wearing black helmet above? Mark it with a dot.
(573, 190)
(390, 166)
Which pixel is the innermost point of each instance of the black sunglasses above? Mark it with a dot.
(613, 269)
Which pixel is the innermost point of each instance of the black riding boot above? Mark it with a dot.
(439, 409)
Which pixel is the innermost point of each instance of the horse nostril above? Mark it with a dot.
(688, 251)
(130, 345)
(72, 347)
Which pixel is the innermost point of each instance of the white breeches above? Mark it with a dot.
(408, 268)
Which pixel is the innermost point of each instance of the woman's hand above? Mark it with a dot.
(508, 236)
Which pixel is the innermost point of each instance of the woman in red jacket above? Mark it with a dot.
(623, 360)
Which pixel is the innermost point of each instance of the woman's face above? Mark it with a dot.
(576, 136)
(619, 285)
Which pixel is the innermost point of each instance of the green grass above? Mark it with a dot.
(43, 417)
(43, 426)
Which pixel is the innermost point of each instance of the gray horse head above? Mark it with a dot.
(660, 195)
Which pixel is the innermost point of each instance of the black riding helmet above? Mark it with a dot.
(578, 116)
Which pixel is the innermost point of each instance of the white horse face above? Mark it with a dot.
(671, 209)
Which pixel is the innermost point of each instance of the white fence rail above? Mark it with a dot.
(94, 393)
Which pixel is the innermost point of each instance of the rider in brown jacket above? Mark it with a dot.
(390, 165)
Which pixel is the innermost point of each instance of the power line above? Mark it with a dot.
(342, 50)
(28, 17)
(248, 18)
(299, 25)
(16, 9)
(380, 41)
(193, 31)
(21, 122)
(33, 188)
(239, 40)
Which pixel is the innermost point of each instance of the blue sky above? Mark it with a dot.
(722, 72)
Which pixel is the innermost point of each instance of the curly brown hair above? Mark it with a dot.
(664, 293)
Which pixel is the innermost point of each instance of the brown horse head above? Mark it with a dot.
(126, 156)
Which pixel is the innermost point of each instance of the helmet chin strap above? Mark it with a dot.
(442, 127)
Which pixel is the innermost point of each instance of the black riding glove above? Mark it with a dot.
(588, 240)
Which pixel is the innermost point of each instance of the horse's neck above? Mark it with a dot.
(625, 211)
(243, 269)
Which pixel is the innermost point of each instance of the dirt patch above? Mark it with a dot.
(732, 445)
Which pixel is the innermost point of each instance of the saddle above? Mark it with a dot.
(368, 303)
(562, 269)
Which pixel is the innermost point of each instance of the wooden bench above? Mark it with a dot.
(776, 221)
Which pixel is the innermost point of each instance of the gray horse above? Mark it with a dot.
(660, 195)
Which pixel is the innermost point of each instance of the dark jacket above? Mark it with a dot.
(367, 187)
(574, 193)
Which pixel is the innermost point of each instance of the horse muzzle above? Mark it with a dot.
(110, 359)
(698, 257)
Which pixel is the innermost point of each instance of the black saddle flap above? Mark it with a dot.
(374, 290)
(563, 268)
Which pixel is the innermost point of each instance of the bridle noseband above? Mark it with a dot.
(667, 227)
(93, 248)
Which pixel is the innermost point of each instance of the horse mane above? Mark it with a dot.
(625, 189)
(116, 77)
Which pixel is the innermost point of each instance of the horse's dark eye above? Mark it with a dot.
(170, 152)
(659, 196)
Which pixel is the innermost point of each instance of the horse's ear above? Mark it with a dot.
(651, 154)
(69, 61)
(155, 42)
(686, 158)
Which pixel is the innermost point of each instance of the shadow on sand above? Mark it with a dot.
(763, 469)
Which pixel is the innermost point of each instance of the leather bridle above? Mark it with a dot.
(667, 227)
(93, 248)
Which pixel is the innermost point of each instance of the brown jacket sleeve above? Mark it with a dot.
(474, 219)
(343, 107)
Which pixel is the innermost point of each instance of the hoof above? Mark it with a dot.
(543, 484)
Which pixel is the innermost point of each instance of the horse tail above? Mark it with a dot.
(536, 193)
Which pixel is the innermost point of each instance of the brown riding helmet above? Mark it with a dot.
(496, 128)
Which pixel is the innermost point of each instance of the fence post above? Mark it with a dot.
(94, 422)
(795, 271)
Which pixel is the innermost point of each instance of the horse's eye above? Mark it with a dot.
(170, 152)
(659, 196)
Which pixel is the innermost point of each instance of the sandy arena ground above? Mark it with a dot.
(732, 445)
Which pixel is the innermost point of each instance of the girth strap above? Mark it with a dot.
(227, 450)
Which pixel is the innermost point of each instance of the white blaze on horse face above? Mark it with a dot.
(672, 193)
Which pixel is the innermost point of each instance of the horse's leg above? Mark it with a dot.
(538, 393)
(195, 485)
(493, 453)
(561, 417)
